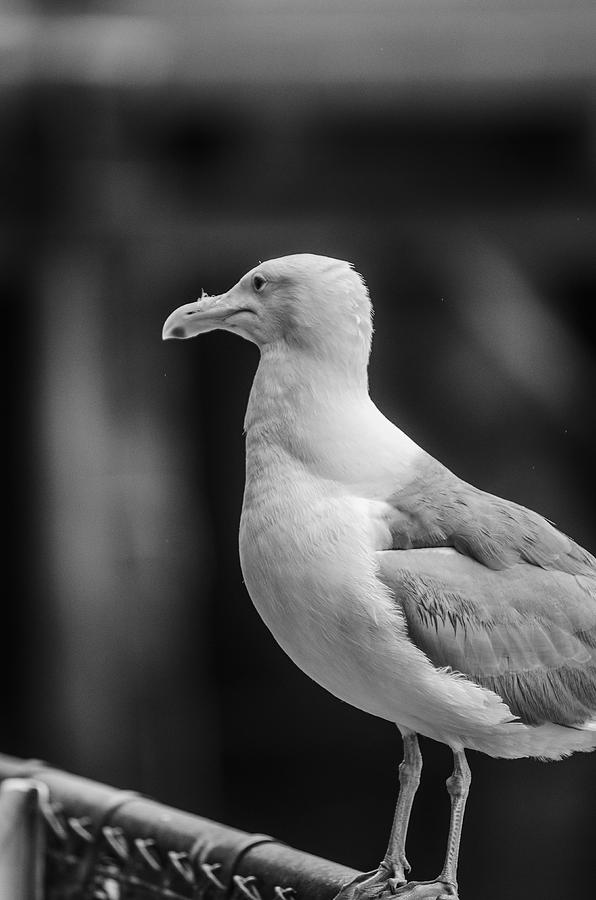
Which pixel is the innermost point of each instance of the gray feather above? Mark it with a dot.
(514, 609)
(438, 509)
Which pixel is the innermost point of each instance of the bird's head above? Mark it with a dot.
(305, 302)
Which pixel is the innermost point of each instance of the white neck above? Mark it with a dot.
(321, 414)
(289, 384)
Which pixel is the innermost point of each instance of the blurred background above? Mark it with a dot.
(150, 150)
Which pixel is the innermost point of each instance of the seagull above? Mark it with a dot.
(394, 584)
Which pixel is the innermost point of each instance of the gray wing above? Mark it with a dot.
(438, 509)
(512, 605)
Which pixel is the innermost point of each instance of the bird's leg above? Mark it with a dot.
(395, 862)
(458, 787)
(445, 886)
(392, 870)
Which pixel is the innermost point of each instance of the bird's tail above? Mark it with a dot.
(502, 734)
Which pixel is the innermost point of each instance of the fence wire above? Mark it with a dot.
(102, 843)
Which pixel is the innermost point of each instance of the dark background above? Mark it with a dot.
(150, 150)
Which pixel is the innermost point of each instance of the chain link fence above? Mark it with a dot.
(94, 842)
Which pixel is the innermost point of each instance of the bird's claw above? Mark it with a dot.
(382, 882)
(427, 890)
(394, 873)
(381, 885)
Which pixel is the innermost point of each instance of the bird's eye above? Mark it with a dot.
(258, 282)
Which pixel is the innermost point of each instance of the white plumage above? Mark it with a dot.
(391, 582)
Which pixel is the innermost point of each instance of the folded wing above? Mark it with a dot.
(495, 592)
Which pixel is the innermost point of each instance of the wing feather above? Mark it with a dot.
(511, 603)
(527, 633)
(438, 509)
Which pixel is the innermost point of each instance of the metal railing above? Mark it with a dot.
(108, 844)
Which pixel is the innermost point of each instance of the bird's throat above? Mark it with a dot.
(294, 393)
(322, 418)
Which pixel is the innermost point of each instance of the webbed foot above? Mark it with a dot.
(381, 884)
(427, 890)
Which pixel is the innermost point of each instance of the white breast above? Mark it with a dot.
(307, 555)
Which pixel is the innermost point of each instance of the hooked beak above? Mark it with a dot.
(203, 315)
